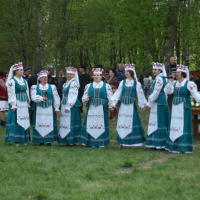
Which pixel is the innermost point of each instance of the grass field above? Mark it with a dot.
(54, 172)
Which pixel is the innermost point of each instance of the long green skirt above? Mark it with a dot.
(14, 132)
(137, 136)
(74, 134)
(185, 142)
(103, 140)
(158, 138)
(51, 137)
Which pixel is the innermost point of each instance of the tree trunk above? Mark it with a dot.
(63, 40)
(171, 28)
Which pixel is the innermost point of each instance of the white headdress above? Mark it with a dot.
(182, 68)
(97, 71)
(131, 67)
(43, 73)
(161, 66)
(72, 70)
(12, 69)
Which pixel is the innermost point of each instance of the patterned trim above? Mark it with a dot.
(95, 127)
(98, 116)
(123, 126)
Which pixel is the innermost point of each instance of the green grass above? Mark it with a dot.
(42, 172)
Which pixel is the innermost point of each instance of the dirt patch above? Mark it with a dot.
(148, 165)
(127, 170)
(196, 145)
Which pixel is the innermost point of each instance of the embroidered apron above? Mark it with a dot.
(98, 103)
(22, 105)
(153, 118)
(65, 118)
(181, 98)
(125, 116)
(44, 112)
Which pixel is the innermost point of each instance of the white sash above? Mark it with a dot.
(44, 120)
(23, 114)
(95, 121)
(153, 119)
(177, 122)
(65, 122)
(125, 120)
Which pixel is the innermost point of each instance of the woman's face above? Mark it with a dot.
(155, 72)
(43, 80)
(19, 72)
(97, 78)
(111, 74)
(127, 74)
(178, 75)
(70, 76)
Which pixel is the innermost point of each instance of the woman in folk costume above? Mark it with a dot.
(3, 98)
(159, 113)
(95, 130)
(70, 120)
(17, 128)
(130, 132)
(181, 133)
(46, 106)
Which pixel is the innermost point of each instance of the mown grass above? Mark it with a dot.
(42, 172)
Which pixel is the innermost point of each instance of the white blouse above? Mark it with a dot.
(109, 92)
(129, 83)
(38, 98)
(11, 91)
(191, 86)
(72, 95)
(157, 88)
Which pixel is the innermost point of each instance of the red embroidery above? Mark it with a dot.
(192, 87)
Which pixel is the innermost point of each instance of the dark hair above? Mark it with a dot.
(83, 67)
(132, 75)
(60, 70)
(113, 71)
(14, 72)
(99, 66)
(183, 74)
(147, 76)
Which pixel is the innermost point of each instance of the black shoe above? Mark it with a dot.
(41, 144)
(3, 123)
(48, 144)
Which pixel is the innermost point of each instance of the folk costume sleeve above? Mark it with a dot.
(35, 98)
(11, 94)
(117, 95)
(191, 86)
(109, 93)
(156, 91)
(169, 88)
(3, 90)
(85, 95)
(55, 97)
(27, 93)
(141, 98)
(72, 95)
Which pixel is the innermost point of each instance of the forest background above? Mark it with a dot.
(59, 33)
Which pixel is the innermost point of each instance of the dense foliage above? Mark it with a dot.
(59, 33)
